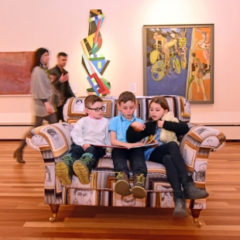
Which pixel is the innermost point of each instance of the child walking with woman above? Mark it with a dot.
(167, 151)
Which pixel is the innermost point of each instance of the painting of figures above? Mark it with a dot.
(178, 60)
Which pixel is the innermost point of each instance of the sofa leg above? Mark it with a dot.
(54, 209)
(195, 214)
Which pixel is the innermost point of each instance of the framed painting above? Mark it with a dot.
(179, 60)
(15, 73)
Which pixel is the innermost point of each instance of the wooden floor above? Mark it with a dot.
(23, 214)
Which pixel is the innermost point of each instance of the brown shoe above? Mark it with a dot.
(18, 155)
(122, 186)
(138, 189)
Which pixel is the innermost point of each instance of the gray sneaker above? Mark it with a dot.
(180, 208)
(191, 192)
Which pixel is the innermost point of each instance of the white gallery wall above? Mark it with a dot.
(60, 25)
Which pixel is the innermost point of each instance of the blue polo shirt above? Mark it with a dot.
(120, 124)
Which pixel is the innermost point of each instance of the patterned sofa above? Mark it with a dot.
(54, 141)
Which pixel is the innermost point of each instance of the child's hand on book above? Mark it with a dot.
(154, 142)
(137, 126)
(134, 145)
(150, 139)
(137, 144)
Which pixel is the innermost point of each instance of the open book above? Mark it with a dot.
(113, 146)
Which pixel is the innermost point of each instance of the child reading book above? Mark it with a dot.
(167, 152)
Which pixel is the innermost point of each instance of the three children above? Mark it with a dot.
(126, 134)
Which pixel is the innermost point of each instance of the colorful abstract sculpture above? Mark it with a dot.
(94, 62)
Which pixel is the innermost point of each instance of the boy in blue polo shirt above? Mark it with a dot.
(127, 151)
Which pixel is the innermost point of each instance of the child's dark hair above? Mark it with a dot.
(161, 101)
(126, 96)
(91, 99)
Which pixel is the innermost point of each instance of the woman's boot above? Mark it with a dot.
(18, 154)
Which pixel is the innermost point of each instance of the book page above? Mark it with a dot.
(140, 146)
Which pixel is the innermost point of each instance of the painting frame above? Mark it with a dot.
(178, 59)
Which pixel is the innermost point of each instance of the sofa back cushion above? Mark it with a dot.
(74, 107)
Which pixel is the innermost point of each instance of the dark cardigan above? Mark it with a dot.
(179, 128)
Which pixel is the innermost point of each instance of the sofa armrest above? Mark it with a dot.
(55, 137)
(205, 137)
(36, 142)
(196, 146)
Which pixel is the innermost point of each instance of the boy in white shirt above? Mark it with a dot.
(87, 132)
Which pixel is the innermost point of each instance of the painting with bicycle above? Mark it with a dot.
(178, 60)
